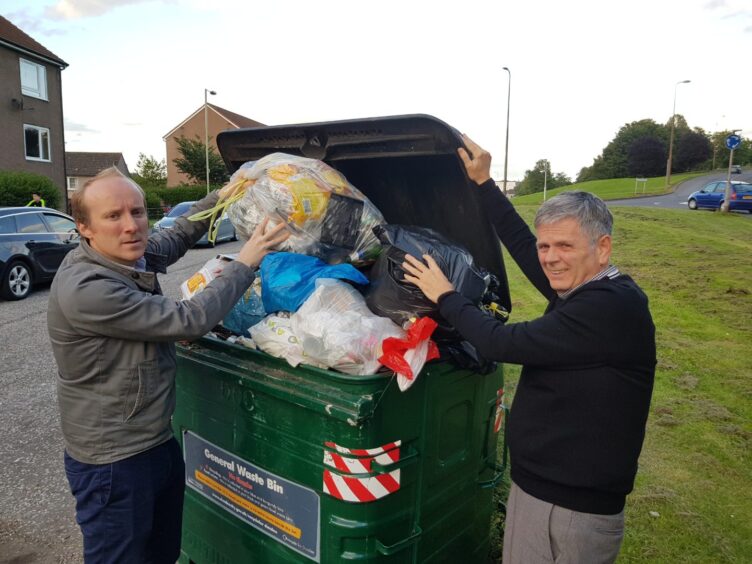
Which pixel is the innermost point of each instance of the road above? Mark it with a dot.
(678, 199)
(37, 523)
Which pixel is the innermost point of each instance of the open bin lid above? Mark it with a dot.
(406, 165)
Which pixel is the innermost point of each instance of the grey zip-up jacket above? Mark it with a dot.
(113, 332)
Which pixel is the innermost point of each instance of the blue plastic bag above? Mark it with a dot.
(287, 279)
(246, 313)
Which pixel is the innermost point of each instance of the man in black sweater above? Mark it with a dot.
(578, 418)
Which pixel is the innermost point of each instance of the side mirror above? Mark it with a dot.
(73, 235)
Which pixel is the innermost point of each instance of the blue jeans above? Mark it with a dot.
(130, 510)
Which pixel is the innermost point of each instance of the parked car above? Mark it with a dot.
(33, 243)
(713, 194)
(736, 169)
(226, 230)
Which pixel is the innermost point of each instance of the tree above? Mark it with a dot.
(693, 149)
(150, 170)
(613, 162)
(192, 163)
(646, 156)
(534, 179)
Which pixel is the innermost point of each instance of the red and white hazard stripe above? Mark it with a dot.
(349, 480)
(499, 417)
(350, 465)
(363, 451)
(360, 490)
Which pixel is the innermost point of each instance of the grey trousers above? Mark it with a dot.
(540, 532)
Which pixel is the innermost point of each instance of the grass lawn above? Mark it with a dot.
(692, 500)
(613, 189)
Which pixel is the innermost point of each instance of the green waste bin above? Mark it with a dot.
(301, 464)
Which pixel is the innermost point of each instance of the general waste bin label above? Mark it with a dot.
(283, 510)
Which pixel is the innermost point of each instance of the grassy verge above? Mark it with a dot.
(693, 496)
(614, 189)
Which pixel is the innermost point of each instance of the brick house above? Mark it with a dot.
(31, 107)
(219, 119)
(80, 167)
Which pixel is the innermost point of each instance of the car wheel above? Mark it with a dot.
(17, 282)
(692, 204)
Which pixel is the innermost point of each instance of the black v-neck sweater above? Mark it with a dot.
(578, 418)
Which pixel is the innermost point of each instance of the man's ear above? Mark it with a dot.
(604, 250)
(83, 230)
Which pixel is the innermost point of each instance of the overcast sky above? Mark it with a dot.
(580, 69)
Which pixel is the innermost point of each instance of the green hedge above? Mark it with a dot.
(158, 198)
(16, 188)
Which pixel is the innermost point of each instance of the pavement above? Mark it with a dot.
(37, 511)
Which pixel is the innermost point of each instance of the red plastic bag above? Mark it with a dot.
(407, 356)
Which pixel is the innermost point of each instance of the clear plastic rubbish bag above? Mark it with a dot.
(336, 328)
(274, 335)
(328, 217)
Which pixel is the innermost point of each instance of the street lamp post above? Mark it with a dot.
(506, 144)
(206, 132)
(671, 137)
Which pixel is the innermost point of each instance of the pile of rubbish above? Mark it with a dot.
(334, 295)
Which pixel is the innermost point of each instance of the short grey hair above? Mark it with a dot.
(587, 209)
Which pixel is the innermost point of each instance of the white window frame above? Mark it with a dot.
(72, 183)
(39, 130)
(41, 72)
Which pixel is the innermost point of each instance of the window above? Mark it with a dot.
(720, 187)
(30, 223)
(59, 224)
(33, 79)
(7, 225)
(72, 183)
(37, 142)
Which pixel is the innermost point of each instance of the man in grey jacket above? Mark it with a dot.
(112, 333)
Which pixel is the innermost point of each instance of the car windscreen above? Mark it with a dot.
(743, 188)
(180, 209)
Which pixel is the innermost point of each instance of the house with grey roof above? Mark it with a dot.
(81, 166)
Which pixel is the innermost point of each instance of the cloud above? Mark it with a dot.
(31, 25)
(78, 9)
(713, 4)
(72, 126)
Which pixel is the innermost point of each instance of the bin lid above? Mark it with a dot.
(406, 165)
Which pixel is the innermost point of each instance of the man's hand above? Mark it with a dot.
(261, 243)
(428, 277)
(478, 166)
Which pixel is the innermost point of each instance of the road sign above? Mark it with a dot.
(733, 141)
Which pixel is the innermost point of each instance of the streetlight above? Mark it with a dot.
(506, 144)
(671, 138)
(206, 132)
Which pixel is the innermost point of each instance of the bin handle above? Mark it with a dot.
(498, 468)
(409, 458)
(399, 545)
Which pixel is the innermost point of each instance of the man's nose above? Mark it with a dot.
(551, 255)
(130, 223)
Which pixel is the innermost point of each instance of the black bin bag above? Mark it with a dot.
(390, 295)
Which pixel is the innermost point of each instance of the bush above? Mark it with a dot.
(16, 188)
(183, 193)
